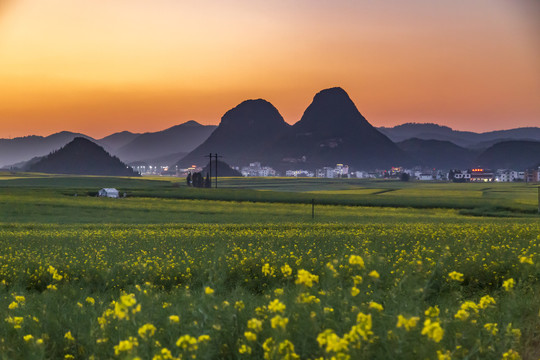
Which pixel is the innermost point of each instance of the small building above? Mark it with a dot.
(108, 192)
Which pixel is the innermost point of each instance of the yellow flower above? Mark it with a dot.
(276, 306)
(267, 269)
(203, 338)
(244, 349)
(306, 278)
(354, 291)
(20, 299)
(28, 338)
(332, 341)
(239, 305)
(13, 305)
(175, 319)
(308, 299)
(128, 300)
(52, 287)
(374, 274)
(432, 311)
(356, 260)
(508, 284)
(357, 279)
(146, 331)
(286, 351)
(278, 292)
(286, 270)
(68, 336)
(376, 306)
(39, 341)
(408, 324)
(454, 275)
(208, 290)
(433, 330)
(444, 355)
(56, 276)
(250, 336)
(526, 259)
(255, 324)
(492, 328)
(126, 345)
(278, 321)
(511, 355)
(187, 342)
(485, 301)
(462, 315)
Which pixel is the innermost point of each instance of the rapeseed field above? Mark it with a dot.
(446, 290)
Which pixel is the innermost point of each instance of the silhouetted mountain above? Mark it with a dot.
(517, 155)
(223, 170)
(181, 138)
(82, 157)
(117, 140)
(23, 148)
(159, 161)
(438, 154)
(331, 131)
(461, 138)
(242, 135)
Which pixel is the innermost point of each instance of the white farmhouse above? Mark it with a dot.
(108, 192)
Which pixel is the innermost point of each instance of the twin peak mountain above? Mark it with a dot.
(331, 131)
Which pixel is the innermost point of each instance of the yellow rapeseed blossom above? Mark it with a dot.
(356, 260)
(511, 355)
(508, 284)
(278, 292)
(444, 355)
(250, 336)
(255, 324)
(146, 331)
(267, 270)
(432, 311)
(208, 290)
(454, 275)
(239, 305)
(492, 328)
(13, 305)
(407, 323)
(355, 291)
(526, 259)
(462, 315)
(175, 319)
(69, 336)
(126, 345)
(276, 306)
(433, 330)
(376, 306)
(244, 349)
(286, 270)
(374, 274)
(279, 322)
(20, 299)
(28, 338)
(485, 301)
(329, 340)
(306, 278)
(187, 342)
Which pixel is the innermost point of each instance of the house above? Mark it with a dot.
(108, 192)
(482, 175)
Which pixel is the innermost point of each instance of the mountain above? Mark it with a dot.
(82, 157)
(181, 138)
(517, 155)
(461, 138)
(23, 148)
(438, 154)
(223, 170)
(243, 134)
(332, 131)
(117, 140)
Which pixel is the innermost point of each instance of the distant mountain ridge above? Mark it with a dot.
(429, 131)
(81, 157)
(128, 146)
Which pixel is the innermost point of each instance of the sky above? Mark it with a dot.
(103, 66)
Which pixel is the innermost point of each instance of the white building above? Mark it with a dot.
(108, 192)
(255, 169)
(509, 176)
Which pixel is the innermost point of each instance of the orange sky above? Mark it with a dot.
(103, 66)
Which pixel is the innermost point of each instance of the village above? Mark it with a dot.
(256, 169)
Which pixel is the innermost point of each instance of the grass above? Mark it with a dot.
(190, 273)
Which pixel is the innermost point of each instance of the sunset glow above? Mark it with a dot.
(103, 66)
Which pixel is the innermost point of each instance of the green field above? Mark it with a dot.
(385, 269)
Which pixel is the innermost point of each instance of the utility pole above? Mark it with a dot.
(539, 199)
(216, 156)
(209, 156)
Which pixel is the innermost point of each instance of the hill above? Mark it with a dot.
(438, 154)
(243, 135)
(82, 157)
(331, 131)
(517, 155)
(115, 141)
(181, 138)
(462, 138)
(21, 149)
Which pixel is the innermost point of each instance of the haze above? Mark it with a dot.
(103, 66)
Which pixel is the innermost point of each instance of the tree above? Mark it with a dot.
(188, 179)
